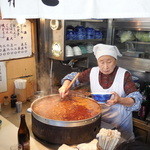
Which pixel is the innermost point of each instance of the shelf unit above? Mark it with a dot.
(138, 66)
(138, 62)
(59, 37)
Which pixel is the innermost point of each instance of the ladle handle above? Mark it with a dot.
(74, 79)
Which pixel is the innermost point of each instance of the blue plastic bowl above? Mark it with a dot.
(101, 97)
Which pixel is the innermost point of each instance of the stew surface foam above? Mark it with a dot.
(69, 109)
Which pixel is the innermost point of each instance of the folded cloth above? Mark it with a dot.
(66, 147)
(88, 146)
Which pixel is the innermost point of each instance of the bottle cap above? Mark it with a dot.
(13, 96)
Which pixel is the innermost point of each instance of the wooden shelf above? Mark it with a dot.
(141, 124)
(138, 42)
(142, 130)
(79, 56)
(83, 41)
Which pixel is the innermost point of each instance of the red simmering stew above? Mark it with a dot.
(69, 109)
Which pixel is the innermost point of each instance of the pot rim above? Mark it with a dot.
(60, 123)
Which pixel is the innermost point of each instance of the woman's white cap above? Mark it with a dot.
(103, 49)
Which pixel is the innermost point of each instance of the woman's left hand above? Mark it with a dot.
(113, 101)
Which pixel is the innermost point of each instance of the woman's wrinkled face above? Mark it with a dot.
(107, 64)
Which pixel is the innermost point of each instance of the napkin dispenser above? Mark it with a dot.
(20, 89)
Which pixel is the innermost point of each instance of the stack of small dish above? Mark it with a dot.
(89, 48)
(77, 51)
(69, 51)
(83, 49)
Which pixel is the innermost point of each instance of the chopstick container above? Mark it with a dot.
(20, 89)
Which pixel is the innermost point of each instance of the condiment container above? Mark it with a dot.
(13, 100)
(6, 100)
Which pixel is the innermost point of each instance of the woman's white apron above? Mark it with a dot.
(117, 115)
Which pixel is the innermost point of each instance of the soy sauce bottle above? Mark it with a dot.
(23, 134)
(13, 100)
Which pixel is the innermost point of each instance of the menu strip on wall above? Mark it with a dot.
(15, 39)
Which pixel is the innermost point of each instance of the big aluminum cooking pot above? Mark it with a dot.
(68, 132)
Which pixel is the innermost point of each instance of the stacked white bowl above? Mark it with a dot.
(89, 48)
(69, 51)
(77, 50)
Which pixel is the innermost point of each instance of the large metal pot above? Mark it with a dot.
(68, 132)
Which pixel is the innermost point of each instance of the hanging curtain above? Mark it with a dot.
(75, 9)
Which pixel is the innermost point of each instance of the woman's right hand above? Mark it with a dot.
(63, 91)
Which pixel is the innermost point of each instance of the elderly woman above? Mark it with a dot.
(108, 77)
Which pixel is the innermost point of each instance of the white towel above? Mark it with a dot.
(66, 147)
(88, 146)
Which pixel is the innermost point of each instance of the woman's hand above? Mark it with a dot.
(126, 101)
(63, 91)
(114, 100)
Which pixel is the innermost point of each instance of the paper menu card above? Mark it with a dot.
(3, 79)
(15, 39)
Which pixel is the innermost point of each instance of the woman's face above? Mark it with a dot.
(107, 64)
